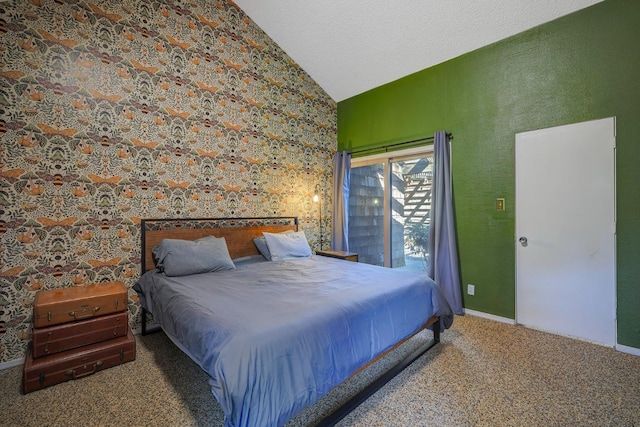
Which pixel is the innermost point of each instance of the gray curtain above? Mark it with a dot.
(443, 250)
(340, 214)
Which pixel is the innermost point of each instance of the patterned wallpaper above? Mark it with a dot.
(116, 111)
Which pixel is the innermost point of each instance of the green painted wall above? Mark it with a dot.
(581, 67)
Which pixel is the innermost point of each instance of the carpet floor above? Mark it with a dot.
(483, 373)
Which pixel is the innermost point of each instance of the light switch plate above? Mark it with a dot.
(500, 204)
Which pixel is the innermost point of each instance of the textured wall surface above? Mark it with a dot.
(350, 46)
(581, 67)
(116, 111)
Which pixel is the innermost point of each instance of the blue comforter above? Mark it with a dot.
(277, 336)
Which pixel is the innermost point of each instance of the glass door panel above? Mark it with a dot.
(366, 213)
(410, 211)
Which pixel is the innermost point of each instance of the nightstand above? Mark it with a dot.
(348, 256)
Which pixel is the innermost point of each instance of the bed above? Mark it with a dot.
(276, 336)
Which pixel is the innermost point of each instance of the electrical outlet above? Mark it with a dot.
(471, 289)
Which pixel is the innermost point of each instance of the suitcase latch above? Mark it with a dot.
(46, 346)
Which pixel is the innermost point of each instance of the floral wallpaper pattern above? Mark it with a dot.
(113, 111)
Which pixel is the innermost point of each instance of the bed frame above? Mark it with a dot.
(239, 234)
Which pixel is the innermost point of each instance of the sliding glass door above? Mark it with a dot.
(389, 208)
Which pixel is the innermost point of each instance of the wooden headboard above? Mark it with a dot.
(238, 233)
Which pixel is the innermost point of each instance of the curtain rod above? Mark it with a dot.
(398, 144)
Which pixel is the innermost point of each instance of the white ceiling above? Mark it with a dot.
(351, 46)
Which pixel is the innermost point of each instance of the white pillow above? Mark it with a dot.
(261, 245)
(287, 245)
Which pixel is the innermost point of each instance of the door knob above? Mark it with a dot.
(523, 241)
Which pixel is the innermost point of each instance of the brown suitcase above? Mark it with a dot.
(54, 339)
(56, 306)
(74, 364)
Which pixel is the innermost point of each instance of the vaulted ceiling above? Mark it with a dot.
(351, 46)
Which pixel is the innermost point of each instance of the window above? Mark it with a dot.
(389, 208)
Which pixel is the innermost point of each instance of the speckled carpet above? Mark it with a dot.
(483, 373)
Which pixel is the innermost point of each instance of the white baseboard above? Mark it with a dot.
(11, 363)
(490, 316)
(621, 348)
(17, 362)
(627, 349)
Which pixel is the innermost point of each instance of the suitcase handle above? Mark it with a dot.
(72, 372)
(84, 314)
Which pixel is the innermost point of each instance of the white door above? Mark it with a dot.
(565, 230)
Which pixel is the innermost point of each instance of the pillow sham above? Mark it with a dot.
(177, 257)
(261, 245)
(287, 245)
